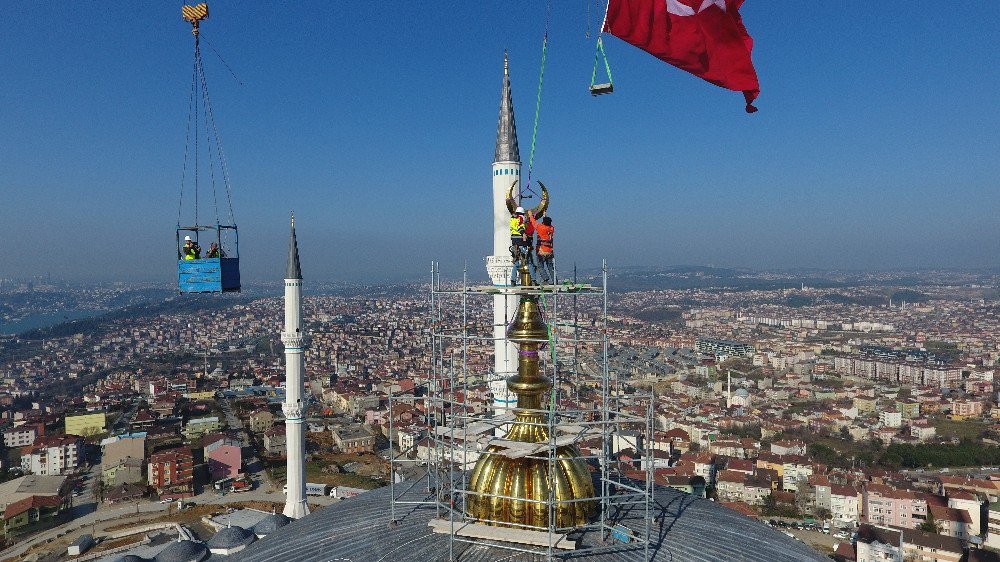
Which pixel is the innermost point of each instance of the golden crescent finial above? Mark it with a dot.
(511, 204)
(544, 204)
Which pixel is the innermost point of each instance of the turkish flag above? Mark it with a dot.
(704, 37)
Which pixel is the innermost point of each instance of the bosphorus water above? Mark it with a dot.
(45, 320)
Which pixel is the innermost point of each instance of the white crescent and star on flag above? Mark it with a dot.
(678, 8)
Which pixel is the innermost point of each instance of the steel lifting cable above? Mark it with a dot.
(210, 119)
(197, 60)
(187, 142)
(199, 97)
(538, 100)
(211, 161)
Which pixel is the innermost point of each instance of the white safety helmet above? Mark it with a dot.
(187, 238)
(519, 211)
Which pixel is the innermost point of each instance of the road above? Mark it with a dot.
(84, 524)
(91, 522)
(253, 465)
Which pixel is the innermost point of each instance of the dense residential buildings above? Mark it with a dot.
(171, 470)
(844, 505)
(354, 439)
(889, 506)
(52, 455)
(23, 435)
(224, 455)
(86, 424)
(723, 347)
(993, 526)
(197, 427)
(772, 407)
(275, 440)
(261, 421)
(30, 499)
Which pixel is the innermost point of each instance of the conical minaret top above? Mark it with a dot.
(293, 270)
(506, 150)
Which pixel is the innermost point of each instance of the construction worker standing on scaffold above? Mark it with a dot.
(520, 245)
(546, 254)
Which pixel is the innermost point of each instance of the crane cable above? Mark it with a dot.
(198, 96)
(538, 101)
(187, 142)
(220, 154)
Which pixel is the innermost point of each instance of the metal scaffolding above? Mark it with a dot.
(589, 409)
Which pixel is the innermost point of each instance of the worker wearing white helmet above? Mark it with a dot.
(520, 244)
(191, 249)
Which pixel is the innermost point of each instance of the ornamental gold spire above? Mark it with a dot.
(509, 491)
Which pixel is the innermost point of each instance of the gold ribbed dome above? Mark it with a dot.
(507, 490)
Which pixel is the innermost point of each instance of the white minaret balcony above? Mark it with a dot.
(499, 268)
(295, 341)
(293, 412)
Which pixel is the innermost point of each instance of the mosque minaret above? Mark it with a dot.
(506, 172)
(296, 342)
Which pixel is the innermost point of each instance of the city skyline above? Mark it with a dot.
(871, 150)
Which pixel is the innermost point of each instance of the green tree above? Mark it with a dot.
(929, 525)
(770, 505)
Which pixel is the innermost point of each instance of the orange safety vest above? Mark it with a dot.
(545, 238)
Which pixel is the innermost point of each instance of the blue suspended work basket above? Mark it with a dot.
(209, 275)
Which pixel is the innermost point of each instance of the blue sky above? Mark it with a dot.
(876, 144)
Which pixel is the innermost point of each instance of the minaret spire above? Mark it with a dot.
(506, 150)
(293, 270)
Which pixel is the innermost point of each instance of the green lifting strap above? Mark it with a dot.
(600, 89)
(538, 106)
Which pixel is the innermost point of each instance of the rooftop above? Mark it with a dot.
(358, 529)
(30, 485)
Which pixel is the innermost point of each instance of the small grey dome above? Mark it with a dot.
(183, 551)
(271, 523)
(231, 537)
(742, 392)
(130, 558)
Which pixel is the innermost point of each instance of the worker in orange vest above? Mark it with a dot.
(544, 250)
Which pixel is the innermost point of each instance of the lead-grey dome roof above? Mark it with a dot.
(231, 537)
(130, 558)
(687, 529)
(271, 523)
(182, 551)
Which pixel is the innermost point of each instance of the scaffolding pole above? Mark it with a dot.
(457, 434)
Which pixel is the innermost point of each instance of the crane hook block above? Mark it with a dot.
(195, 14)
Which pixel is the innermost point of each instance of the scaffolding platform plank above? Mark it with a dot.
(474, 429)
(520, 449)
(505, 534)
(527, 290)
(568, 434)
